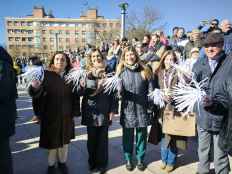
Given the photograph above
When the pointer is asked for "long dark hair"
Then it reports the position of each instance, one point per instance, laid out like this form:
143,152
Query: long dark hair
68,67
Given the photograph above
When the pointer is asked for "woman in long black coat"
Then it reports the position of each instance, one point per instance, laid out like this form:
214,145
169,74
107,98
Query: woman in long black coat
57,106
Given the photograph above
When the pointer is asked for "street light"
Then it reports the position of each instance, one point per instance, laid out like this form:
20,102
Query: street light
56,40
123,7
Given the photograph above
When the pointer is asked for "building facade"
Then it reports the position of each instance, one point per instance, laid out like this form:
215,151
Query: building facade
42,34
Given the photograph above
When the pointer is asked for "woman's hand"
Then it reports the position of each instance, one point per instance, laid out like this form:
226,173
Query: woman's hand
36,84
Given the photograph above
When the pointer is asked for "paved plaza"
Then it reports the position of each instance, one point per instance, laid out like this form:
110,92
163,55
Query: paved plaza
29,159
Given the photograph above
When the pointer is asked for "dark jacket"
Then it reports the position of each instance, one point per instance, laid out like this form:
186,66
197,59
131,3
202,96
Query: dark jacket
8,96
228,42
206,120
222,104
135,102
95,107
56,105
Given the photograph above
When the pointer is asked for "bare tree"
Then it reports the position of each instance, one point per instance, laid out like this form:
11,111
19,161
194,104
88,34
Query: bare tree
139,23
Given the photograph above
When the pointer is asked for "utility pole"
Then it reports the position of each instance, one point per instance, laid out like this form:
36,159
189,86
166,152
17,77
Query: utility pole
123,7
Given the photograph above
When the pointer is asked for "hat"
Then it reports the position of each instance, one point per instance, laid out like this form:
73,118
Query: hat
213,38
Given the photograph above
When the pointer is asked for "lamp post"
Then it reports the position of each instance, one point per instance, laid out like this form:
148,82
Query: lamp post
123,7
56,40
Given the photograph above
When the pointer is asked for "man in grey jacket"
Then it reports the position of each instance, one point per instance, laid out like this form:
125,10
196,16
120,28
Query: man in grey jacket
215,66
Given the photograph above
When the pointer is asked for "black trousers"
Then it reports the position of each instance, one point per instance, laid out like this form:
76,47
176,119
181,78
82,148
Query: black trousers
5,157
97,145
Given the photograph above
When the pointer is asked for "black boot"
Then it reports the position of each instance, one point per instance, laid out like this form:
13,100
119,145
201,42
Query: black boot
129,165
141,166
63,168
51,170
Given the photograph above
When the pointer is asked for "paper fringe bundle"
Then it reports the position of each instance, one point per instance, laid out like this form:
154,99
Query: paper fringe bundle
74,76
32,73
158,97
112,84
186,95
183,68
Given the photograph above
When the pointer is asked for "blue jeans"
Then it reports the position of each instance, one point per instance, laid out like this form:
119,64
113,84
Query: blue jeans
168,152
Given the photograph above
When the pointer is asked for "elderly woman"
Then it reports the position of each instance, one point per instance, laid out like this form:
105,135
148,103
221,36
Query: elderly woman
97,109
136,84
57,106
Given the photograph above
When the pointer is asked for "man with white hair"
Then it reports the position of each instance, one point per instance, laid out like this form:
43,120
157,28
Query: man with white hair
226,28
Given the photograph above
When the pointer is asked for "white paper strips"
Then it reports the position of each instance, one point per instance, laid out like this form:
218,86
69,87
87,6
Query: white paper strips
32,73
112,84
186,95
158,97
74,76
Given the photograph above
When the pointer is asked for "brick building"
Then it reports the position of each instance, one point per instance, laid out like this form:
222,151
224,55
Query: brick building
42,33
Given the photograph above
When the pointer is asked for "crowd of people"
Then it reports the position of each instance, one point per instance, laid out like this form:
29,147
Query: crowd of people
142,66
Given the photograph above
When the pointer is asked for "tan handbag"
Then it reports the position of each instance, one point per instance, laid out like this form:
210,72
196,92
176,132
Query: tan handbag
176,123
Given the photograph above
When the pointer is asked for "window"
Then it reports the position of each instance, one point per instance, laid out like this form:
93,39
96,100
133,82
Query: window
44,39
29,23
45,47
67,32
23,23
30,39
24,39
9,23
51,39
43,31
10,38
17,39
29,31
67,40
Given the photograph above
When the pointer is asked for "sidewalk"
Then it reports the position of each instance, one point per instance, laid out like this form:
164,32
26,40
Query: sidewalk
29,159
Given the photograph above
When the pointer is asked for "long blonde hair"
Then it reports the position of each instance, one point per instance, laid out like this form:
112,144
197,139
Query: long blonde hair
89,63
146,72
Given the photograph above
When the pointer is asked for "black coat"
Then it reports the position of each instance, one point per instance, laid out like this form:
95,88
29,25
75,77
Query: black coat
56,105
95,108
8,96
205,119
222,104
135,110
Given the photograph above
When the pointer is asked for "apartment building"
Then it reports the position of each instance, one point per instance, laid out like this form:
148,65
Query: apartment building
42,33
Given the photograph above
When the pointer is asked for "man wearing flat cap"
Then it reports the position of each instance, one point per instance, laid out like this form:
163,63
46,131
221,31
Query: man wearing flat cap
215,67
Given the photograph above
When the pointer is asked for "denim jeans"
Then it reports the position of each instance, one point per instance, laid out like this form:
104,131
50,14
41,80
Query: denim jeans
168,152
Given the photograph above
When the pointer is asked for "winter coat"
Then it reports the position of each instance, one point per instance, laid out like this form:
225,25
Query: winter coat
56,105
180,141
96,106
201,69
135,111
228,42
8,96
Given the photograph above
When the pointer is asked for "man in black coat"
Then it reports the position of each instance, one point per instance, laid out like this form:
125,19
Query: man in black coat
8,96
215,66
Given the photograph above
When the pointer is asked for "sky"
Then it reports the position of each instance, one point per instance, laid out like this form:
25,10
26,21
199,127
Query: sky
185,13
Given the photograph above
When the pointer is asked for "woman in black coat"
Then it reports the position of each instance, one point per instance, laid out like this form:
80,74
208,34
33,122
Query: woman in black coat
57,106
97,109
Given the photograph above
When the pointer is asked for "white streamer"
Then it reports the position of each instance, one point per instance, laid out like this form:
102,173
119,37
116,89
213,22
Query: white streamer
32,73
74,76
158,97
112,84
